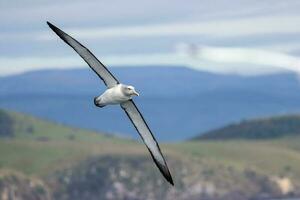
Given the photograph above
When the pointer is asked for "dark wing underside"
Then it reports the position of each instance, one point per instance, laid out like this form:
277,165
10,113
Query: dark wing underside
144,131
108,79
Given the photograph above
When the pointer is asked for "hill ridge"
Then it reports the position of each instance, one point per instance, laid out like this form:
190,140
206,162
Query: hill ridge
257,128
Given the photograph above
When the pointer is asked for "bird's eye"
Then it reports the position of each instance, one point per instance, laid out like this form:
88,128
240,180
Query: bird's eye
129,88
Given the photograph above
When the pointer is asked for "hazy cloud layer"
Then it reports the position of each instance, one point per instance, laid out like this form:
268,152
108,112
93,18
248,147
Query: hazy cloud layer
122,31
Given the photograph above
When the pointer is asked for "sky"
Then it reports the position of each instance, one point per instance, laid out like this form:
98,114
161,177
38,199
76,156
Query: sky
247,37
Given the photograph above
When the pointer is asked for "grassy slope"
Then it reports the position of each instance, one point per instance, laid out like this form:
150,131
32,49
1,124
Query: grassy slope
49,148
40,146
268,157
53,144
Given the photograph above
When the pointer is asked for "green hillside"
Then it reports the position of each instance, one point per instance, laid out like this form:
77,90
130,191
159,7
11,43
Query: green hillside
44,160
35,145
264,128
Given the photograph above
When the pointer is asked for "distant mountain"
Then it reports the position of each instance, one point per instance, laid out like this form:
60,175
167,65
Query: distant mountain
177,102
264,128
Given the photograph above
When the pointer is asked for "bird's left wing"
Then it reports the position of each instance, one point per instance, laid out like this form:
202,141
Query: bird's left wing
103,73
140,124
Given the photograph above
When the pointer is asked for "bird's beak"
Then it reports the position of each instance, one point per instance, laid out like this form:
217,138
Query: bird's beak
135,93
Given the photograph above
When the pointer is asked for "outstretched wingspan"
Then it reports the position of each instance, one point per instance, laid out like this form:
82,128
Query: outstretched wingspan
129,106
108,79
140,124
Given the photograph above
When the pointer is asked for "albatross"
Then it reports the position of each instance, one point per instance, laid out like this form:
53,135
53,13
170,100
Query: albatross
118,93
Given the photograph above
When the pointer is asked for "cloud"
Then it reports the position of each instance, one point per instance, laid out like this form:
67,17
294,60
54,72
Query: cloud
243,61
123,30
220,28
11,66
120,12
287,24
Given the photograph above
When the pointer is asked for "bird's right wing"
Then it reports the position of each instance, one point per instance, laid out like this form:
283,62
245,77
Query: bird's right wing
140,124
108,79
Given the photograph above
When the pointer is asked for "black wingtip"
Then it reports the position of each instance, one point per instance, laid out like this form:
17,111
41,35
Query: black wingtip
168,176
170,180
52,26
58,32
165,171
49,24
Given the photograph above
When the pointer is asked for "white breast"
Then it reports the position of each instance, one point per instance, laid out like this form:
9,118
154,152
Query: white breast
113,96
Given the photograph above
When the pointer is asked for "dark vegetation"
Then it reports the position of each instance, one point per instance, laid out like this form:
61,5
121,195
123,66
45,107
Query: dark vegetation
6,125
267,128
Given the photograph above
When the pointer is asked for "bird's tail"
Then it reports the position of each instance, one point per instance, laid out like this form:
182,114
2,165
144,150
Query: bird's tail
96,102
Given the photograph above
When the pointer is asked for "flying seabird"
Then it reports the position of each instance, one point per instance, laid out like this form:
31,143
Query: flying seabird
118,93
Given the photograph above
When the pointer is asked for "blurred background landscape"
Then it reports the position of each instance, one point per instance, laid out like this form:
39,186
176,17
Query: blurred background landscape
219,85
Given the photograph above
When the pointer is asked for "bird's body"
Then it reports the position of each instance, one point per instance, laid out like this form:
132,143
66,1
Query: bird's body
115,95
118,93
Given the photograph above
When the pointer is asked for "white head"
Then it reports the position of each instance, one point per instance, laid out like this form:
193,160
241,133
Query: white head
129,90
